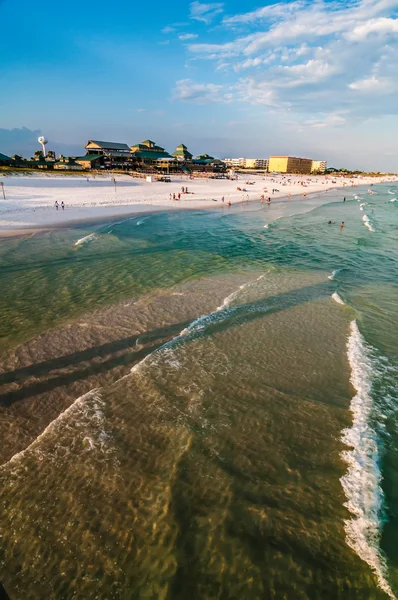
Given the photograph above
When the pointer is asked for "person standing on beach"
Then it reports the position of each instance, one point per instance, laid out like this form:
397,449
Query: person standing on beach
63,205
56,205
344,199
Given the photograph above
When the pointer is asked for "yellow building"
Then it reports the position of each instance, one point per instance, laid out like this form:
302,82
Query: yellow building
289,164
318,166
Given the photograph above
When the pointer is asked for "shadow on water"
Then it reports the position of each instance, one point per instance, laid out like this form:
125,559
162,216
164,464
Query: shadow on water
217,322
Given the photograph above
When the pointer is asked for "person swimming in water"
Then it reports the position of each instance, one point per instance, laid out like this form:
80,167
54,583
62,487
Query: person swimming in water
330,222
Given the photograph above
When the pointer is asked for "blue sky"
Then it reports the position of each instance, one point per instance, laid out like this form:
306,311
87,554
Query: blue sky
317,79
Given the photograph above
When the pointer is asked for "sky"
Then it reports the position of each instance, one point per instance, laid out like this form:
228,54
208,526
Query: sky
317,79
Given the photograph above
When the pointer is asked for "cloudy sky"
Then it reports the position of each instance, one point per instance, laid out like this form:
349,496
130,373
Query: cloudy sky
316,79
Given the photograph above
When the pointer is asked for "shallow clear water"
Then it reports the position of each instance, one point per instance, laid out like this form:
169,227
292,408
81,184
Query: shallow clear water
216,455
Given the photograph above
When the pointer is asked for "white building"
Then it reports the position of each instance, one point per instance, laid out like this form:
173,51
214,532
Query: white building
235,162
247,163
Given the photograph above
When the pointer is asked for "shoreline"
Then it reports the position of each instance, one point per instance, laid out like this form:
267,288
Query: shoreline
92,202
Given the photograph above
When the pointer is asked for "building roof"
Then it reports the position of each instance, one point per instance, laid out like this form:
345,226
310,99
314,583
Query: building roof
204,157
108,145
147,146
150,154
3,157
182,147
89,157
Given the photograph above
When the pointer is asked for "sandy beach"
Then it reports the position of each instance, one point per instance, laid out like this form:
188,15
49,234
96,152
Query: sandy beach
30,199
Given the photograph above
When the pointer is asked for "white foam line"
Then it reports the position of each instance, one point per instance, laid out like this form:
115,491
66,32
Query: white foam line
367,223
337,298
94,393
85,239
197,324
334,273
361,483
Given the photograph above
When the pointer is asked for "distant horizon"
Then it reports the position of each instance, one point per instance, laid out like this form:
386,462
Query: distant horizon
32,146
301,77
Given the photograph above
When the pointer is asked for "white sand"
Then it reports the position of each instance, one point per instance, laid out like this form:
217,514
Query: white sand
30,199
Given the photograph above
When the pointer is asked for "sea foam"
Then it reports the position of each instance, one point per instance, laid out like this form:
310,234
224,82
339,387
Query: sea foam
367,223
334,273
361,483
87,238
337,298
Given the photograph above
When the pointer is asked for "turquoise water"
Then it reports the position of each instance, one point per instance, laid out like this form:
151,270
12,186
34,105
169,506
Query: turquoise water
241,438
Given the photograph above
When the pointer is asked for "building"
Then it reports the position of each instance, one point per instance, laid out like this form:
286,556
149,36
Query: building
206,163
90,161
67,163
114,154
256,163
318,166
289,164
235,163
5,160
149,155
181,153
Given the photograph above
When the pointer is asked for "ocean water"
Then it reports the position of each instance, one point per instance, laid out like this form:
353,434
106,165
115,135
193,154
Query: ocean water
203,405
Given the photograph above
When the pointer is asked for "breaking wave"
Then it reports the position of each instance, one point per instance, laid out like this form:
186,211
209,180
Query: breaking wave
361,483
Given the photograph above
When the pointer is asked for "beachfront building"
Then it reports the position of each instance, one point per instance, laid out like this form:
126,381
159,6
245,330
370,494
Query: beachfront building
235,163
256,163
181,154
149,156
90,161
5,161
318,166
207,163
289,164
114,155
67,163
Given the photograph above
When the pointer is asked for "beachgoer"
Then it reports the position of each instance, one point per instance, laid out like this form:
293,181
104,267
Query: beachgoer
229,202
342,224
330,222
62,205
222,199
174,196
56,204
179,195
344,199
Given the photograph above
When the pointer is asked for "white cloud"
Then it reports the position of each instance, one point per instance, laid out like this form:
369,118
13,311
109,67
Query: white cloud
168,29
205,12
311,58
373,85
187,36
187,90
380,26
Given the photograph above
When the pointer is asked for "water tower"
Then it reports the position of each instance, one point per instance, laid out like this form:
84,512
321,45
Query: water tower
43,141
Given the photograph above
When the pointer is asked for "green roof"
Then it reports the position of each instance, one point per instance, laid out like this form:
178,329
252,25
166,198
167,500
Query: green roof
150,154
108,145
3,157
89,157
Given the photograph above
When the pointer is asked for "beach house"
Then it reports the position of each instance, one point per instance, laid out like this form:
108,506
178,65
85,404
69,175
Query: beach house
114,154
148,156
181,153
207,163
